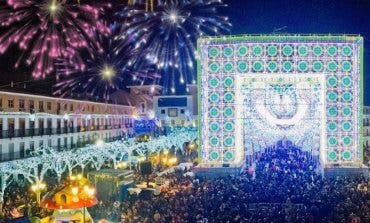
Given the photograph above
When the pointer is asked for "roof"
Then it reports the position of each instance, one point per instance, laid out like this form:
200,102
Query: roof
287,37
58,99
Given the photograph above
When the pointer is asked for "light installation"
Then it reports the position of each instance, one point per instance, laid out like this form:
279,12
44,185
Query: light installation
47,159
257,90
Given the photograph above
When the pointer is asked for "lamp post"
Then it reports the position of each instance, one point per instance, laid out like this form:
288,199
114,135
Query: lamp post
86,193
37,188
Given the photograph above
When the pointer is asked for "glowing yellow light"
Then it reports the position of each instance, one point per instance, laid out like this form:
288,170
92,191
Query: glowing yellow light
74,190
42,186
53,7
90,191
38,186
99,143
172,160
108,72
122,165
34,188
165,152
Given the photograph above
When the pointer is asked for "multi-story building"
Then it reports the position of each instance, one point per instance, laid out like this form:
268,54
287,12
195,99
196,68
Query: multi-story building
30,121
140,97
177,110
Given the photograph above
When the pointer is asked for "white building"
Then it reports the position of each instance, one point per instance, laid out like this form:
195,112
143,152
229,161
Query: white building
177,110
30,121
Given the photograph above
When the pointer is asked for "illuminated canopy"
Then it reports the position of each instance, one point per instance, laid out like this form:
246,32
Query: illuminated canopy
257,90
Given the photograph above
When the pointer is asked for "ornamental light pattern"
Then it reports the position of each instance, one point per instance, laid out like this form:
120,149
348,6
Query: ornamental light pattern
257,90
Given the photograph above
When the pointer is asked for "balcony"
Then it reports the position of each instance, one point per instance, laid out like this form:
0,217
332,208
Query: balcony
48,131
19,133
56,131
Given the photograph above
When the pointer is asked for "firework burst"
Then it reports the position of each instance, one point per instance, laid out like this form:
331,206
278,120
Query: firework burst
46,30
170,33
106,71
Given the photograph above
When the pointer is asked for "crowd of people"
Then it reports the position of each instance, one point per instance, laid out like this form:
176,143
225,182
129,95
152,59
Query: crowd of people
284,187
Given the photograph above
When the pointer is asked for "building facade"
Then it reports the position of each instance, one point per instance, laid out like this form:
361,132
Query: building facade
177,110
30,121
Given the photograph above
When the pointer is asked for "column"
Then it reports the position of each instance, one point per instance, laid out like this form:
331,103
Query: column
74,124
62,126
54,125
27,122
27,126
16,127
36,126
45,127
5,127
45,123
96,123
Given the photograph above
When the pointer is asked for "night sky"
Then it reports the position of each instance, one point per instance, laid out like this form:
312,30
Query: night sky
262,17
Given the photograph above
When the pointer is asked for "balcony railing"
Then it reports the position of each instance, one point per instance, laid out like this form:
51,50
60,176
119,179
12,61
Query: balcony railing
56,131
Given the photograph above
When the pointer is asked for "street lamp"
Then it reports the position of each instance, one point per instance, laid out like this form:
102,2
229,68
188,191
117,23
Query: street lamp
99,143
37,188
172,161
87,192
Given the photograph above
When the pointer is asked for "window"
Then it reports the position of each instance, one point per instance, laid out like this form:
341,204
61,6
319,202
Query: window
21,150
142,107
172,122
10,103
32,146
58,106
41,143
21,104
1,102
71,107
173,102
92,108
65,106
31,104
48,105
172,112
163,111
182,111
11,151
41,106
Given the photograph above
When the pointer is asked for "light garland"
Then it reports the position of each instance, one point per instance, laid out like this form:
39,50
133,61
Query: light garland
46,159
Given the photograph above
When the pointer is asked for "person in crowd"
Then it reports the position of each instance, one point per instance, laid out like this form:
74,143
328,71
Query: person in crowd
283,186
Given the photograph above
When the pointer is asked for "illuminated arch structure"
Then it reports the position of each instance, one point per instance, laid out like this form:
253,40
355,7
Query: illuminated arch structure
256,90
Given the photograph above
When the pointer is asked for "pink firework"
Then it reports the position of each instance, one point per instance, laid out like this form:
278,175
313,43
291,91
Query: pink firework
46,30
